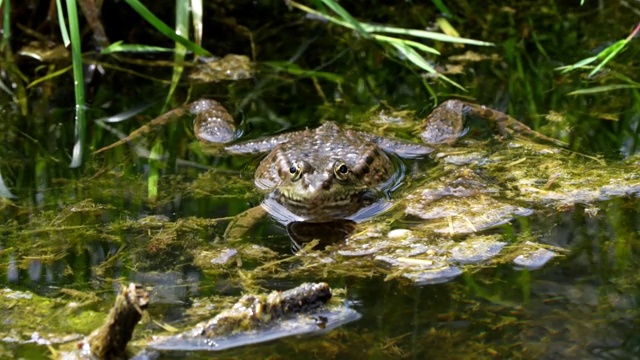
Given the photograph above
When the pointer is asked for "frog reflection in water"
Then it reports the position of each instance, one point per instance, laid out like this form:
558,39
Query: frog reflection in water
329,173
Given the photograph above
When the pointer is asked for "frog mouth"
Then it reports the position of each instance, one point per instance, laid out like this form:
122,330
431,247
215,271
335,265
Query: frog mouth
325,207
326,200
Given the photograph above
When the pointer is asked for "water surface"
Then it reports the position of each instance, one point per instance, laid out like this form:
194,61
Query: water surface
71,236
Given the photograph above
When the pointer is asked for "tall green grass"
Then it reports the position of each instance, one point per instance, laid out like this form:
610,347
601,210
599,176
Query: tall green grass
78,80
71,36
404,43
604,57
5,6
405,49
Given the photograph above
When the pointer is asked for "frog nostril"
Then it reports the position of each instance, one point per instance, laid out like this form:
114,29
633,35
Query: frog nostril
369,160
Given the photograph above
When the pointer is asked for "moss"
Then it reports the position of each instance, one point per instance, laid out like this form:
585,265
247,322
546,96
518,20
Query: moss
28,313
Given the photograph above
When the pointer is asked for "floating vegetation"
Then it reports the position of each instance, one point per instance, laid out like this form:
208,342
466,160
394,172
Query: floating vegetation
259,318
495,247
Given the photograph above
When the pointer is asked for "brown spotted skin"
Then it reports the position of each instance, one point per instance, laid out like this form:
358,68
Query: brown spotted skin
212,122
445,123
330,173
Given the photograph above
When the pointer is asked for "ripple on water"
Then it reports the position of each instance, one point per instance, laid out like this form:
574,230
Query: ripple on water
535,257
476,250
423,271
456,215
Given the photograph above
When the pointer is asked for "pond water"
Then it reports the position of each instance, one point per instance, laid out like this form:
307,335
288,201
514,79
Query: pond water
451,271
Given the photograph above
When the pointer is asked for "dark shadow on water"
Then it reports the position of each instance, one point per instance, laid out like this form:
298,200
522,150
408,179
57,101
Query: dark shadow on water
327,233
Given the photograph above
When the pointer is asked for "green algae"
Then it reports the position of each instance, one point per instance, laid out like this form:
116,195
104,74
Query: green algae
93,227
25,313
381,247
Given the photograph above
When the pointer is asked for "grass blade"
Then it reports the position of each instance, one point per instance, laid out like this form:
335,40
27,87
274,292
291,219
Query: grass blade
49,76
6,31
615,49
414,44
164,28
78,79
369,28
182,28
119,47
196,13
296,70
419,61
425,35
155,167
323,15
445,26
604,88
579,64
442,7
607,54
62,24
344,14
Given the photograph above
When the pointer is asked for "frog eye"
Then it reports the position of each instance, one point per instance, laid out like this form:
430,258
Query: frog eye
341,171
296,171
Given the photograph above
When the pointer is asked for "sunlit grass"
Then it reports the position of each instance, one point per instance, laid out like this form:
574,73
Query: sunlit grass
406,48
121,47
182,29
6,30
180,37
78,80
605,88
605,55
71,36
164,28
196,14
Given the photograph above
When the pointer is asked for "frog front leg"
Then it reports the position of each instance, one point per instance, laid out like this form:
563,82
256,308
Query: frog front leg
243,222
446,122
212,123
401,148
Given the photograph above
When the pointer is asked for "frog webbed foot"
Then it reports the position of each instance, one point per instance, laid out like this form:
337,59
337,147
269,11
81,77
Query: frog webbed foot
213,123
243,222
446,123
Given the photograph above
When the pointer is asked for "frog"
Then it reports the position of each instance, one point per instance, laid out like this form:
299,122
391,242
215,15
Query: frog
328,172
231,67
453,200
